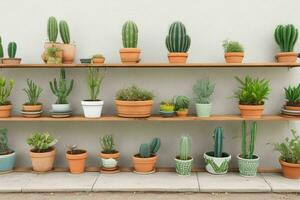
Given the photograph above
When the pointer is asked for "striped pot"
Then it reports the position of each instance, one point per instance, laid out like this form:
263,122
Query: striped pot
216,165
248,167
183,167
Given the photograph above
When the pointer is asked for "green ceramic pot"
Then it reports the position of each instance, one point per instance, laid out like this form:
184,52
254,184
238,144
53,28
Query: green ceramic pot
203,110
183,167
216,165
248,167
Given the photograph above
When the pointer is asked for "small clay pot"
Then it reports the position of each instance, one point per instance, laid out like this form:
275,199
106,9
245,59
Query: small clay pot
251,111
177,58
32,108
11,61
182,113
77,161
5,111
290,170
130,55
98,60
134,108
295,108
234,57
287,57
43,162
144,165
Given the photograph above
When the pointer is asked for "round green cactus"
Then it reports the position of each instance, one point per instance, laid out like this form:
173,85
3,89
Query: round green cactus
12,49
178,40
130,35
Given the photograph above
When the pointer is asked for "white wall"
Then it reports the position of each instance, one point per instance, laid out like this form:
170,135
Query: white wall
96,26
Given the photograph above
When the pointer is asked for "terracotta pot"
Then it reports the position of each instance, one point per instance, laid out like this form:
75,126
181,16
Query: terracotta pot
130,55
5,111
77,162
296,108
11,61
234,57
98,60
290,170
69,52
144,164
32,108
177,57
182,113
251,111
287,57
134,108
42,162
110,155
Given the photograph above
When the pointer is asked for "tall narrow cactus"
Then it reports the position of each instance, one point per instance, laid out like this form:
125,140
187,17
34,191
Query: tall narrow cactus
252,139
248,154
144,151
1,48
52,29
178,40
130,34
5,90
61,89
155,145
244,139
185,148
64,32
218,137
286,37
12,49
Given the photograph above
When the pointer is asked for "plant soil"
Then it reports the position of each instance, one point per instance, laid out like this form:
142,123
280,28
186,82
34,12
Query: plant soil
76,152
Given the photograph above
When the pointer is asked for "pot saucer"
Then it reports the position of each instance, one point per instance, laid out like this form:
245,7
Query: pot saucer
145,173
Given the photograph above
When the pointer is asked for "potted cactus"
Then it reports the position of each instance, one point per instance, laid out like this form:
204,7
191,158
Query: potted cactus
7,156
98,59
53,55
32,108
144,162
178,43
217,161
182,104
92,107
61,89
42,151
252,94
166,108
184,161
134,102
1,50
286,37
290,156
109,155
130,54
5,90
234,51
52,32
292,95
12,50
69,50
76,159
203,91
247,161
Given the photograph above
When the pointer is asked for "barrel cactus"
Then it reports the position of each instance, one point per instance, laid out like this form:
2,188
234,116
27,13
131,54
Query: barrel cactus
147,150
286,37
185,148
177,39
218,137
130,35
52,29
64,32
12,49
1,48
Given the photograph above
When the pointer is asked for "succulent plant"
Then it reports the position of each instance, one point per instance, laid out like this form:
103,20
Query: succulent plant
203,90
232,46
64,32
4,149
1,49
248,153
12,49
177,40
52,29
167,106
107,144
98,56
134,93
292,95
147,150
218,137
52,55
185,148
286,37
33,92
130,34
5,90
182,103
41,142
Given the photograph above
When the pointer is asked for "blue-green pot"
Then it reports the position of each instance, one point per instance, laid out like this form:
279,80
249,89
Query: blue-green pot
203,110
7,162
167,113
248,167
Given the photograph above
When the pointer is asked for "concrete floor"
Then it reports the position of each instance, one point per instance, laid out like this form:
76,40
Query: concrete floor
148,196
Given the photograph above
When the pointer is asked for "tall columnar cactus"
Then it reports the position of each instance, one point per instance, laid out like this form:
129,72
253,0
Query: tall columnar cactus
64,32
147,150
130,35
248,154
286,37
185,148
52,29
3,142
1,48
12,49
154,145
178,40
61,89
5,90
218,137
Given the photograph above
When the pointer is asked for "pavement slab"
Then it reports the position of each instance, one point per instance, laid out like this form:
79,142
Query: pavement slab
278,183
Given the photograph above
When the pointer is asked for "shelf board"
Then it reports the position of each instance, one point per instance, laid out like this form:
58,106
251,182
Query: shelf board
156,65
152,118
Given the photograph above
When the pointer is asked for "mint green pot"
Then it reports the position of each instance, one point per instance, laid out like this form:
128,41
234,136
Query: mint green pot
183,167
203,110
248,167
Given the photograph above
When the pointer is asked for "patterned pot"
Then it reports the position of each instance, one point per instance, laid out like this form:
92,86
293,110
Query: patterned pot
183,167
248,167
216,165
203,110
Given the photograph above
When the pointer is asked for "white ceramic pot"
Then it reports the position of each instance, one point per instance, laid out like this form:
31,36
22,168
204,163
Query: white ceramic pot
92,109
109,163
61,107
216,165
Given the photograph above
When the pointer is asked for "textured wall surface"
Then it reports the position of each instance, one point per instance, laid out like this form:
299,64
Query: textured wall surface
96,27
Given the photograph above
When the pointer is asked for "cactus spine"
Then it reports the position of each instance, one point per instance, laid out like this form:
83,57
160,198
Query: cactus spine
130,35
64,32
286,37
12,49
185,148
218,137
178,40
1,48
248,154
52,29
147,150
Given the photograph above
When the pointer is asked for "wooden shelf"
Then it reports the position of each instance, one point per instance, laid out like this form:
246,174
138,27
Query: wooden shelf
152,118
156,65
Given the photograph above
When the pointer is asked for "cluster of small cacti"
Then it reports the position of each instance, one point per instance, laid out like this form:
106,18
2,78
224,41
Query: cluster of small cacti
107,144
182,103
148,150
248,153
52,30
130,35
61,89
286,37
218,137
178,40
203,90
185,148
